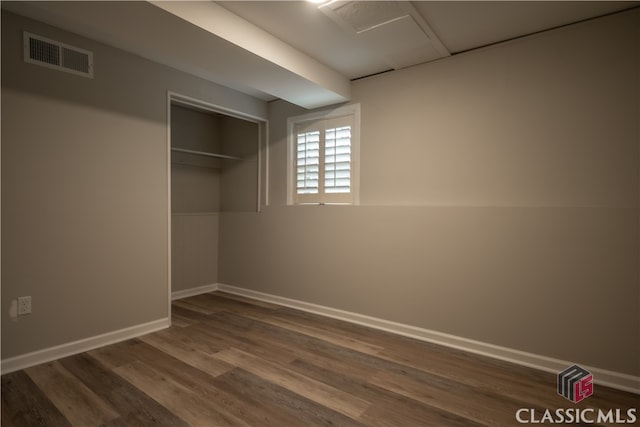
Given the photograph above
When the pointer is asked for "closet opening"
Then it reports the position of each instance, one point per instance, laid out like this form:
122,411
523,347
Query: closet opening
215,168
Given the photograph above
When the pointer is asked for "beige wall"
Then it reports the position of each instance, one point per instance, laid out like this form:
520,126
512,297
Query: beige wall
194,250
499,194
239,178
85,189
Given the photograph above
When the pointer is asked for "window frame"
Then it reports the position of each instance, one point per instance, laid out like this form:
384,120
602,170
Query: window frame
351,111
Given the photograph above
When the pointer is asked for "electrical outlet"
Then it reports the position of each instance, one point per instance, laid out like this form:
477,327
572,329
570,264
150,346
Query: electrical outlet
24,305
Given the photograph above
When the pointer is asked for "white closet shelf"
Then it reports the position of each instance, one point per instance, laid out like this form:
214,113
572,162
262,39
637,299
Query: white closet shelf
203,153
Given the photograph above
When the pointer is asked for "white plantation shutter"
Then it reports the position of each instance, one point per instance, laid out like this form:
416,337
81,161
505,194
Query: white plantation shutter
308,152
324,160
338,168
308,162
337,160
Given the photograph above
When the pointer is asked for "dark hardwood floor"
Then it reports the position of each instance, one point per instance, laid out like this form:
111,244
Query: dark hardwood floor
231,361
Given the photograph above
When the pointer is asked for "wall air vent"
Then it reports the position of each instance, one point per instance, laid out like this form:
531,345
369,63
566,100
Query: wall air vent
52,54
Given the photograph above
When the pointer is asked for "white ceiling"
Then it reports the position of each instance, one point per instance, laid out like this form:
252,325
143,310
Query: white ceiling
460,25
298,51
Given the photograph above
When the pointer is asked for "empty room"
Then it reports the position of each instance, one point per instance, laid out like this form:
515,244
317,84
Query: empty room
314,213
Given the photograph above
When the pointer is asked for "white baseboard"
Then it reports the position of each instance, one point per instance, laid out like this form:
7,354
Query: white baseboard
604,377
193,291
48,354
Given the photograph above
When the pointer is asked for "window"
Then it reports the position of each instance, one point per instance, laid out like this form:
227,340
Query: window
323,157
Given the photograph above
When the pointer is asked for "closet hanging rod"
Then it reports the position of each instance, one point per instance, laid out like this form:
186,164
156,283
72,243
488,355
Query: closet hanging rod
202,153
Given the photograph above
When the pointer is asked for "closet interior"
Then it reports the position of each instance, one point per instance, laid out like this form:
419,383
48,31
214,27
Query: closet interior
214,169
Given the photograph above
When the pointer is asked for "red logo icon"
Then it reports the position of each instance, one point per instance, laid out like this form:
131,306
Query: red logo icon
575,383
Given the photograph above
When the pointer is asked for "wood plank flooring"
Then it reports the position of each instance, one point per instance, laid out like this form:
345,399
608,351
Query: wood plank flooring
231,361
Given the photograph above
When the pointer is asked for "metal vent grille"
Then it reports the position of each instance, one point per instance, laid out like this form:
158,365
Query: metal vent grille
52,54
40,50
74,60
